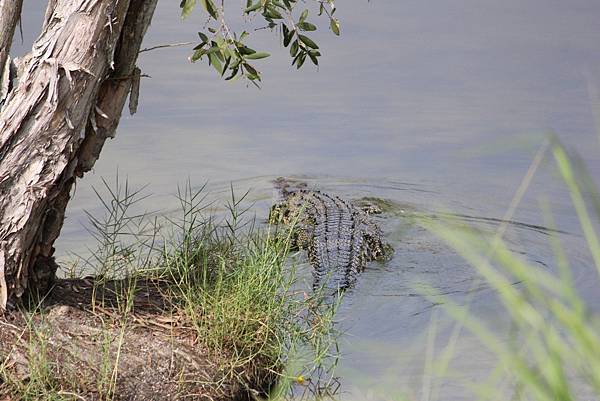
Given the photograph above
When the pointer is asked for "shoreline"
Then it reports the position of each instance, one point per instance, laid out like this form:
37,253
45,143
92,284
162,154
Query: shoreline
83,342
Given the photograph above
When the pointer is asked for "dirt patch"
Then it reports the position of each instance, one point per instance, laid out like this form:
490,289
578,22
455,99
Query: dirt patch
86,341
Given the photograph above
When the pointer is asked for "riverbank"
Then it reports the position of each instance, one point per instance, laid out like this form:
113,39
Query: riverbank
182,308
74,347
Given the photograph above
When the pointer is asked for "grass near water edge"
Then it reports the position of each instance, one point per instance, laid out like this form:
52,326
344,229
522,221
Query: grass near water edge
231,281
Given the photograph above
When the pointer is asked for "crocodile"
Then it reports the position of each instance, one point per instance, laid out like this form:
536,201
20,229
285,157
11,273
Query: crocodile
340,237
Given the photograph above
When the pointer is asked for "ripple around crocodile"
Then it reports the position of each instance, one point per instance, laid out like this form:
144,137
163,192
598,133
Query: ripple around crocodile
340,238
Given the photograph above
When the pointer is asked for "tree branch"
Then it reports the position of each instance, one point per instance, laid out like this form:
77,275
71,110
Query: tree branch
147,49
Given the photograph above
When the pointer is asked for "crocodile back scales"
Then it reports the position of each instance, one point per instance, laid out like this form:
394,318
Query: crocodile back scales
339,237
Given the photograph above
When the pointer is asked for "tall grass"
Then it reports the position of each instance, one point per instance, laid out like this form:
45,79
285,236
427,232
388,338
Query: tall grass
554,354
228,282
234,281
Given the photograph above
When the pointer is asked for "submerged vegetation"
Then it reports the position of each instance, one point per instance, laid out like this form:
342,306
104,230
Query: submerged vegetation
219,297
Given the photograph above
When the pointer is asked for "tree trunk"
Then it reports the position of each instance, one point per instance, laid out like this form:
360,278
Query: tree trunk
69,98
10,12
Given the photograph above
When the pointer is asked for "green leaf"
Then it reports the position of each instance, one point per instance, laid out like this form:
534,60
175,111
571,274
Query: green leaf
287,35
308,41
214,61
227,53
270,12
295,59
254,7
307,26
197,55
253,74
313,54
277,3
203,37
257,56
244,50
301,60
187,7
335,26
219,54
213,50
233,74
236,63
303,16
294,49
226,65
209,7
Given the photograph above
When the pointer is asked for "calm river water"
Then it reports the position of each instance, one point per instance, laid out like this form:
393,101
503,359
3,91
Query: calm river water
430,104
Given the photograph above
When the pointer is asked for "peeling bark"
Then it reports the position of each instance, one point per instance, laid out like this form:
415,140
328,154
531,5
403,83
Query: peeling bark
49,11
52,128
114,91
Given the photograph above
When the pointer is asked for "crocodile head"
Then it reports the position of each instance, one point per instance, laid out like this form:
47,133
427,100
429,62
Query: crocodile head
377,248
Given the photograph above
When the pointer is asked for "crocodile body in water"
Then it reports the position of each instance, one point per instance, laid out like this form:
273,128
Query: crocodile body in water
340,238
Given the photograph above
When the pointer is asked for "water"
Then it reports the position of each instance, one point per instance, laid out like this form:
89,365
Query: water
432,105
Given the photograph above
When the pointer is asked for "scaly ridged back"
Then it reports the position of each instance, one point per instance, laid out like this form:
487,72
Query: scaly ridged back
339,237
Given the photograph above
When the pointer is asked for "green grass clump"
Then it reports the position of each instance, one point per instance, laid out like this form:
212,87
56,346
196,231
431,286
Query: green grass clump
230,278
232,282
229,285
40,384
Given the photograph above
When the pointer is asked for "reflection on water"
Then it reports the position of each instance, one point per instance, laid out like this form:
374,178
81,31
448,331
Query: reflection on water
434,106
